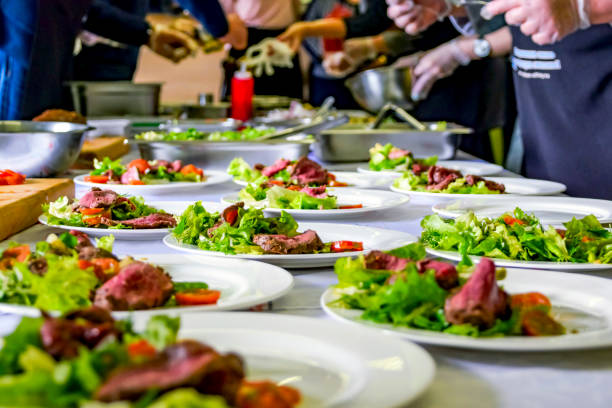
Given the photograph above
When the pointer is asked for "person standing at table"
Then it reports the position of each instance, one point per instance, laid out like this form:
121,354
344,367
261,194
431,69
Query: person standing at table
563,87
265,19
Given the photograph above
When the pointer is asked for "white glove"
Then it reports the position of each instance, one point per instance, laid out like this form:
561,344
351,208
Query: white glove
435,64
338,64
414,16
546,21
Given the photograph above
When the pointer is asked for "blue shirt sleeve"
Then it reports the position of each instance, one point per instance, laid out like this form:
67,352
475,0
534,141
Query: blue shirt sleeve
209,13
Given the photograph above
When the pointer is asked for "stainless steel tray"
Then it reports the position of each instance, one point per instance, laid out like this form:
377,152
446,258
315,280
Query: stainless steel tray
112,98
218,155
203,125
351,143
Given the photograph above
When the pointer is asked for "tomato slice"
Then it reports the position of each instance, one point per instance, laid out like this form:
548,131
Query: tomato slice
190,168
141,348
335,183
108,265
536,322
294,188
10,177
230,216
530,300
85,264
136,183
92,220
197,297
20,253
96,179
348,207
266,394
346,246
509,220
141,164
277,182
586,239
91,211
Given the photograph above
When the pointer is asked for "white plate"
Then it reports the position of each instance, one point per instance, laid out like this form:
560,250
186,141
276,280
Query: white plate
514,186
579,302
354,179
212,177
242,283
464,166
559,266
372,200
550,210
171,207
372,238
330,364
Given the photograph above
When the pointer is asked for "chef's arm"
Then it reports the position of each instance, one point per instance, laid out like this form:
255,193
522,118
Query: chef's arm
112,22
500,40
600,11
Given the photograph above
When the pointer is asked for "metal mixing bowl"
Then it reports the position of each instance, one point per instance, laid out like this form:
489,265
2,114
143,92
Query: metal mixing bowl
40,149
374,88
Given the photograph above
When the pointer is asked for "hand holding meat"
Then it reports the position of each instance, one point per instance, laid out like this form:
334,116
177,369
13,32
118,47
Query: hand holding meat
546,21
171,44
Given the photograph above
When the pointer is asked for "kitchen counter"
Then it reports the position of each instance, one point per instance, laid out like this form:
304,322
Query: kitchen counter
464,378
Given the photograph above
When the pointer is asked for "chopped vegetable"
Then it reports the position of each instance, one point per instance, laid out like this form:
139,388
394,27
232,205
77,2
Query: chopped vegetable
10,177
346,246
197,297
96,179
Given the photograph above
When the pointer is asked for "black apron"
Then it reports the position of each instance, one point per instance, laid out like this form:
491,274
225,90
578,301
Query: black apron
564,97
57,24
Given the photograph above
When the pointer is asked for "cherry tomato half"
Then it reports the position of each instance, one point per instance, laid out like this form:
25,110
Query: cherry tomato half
346,246
197,297
96,179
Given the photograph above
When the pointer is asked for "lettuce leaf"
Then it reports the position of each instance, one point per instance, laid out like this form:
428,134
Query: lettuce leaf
188,398
279,197
241,170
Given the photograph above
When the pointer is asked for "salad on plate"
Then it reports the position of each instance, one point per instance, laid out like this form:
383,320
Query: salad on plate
520,236
106,209
246,134
392,158
87,359
67,272
403,288
143,172
237,230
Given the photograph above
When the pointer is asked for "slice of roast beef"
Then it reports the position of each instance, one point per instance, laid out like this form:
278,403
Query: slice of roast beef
157,220
259,166
438,178
175,166
97,198
305,171
471,180
130,175
82,239
90,252
137,286
156,164
62,337
278,165
396,153
185,364
381,260
418,168
316,192
446,274
305,243
480,301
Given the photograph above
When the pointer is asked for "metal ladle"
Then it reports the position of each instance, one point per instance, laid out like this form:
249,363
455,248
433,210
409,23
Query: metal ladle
392,108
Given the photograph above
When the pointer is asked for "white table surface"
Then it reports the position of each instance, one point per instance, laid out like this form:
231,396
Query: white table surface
464,378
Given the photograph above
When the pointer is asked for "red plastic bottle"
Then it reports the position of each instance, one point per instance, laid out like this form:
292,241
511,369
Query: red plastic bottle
243,85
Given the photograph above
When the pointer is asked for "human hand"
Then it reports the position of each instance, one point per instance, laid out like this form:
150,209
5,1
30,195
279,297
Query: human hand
294,35
171,43
237,35
546,21
433,65
355,52
360,49
414,16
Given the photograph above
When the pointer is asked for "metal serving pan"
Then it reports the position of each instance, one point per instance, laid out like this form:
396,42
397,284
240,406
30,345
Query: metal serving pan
114,98
40,149
203,125
351,143
218,155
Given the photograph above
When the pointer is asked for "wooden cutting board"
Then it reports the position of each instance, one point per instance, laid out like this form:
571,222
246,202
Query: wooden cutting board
99,148
20,206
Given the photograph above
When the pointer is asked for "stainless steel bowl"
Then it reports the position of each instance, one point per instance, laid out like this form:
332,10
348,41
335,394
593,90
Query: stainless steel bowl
218,155
40,149
115,98
374,88
351,143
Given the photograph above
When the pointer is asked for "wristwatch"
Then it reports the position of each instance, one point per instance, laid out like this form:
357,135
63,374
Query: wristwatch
482,47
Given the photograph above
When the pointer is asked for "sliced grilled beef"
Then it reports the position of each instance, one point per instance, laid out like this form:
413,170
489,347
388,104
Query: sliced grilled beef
97,198
446,274
155,165
62,337
89,253
480,301
471,180
278,165
157,220
316,192
138,285
259,167
438,178
130,175
184,364
381,260
305,171
398,153
82,239
38,266
418,168
305,243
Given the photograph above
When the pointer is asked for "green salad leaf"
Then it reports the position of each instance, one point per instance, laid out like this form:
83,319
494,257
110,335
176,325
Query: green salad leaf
279,197
188,398
248,133
106,164
241,170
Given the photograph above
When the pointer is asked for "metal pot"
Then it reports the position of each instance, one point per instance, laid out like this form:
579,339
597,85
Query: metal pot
374,88
115,98
40,149
351,143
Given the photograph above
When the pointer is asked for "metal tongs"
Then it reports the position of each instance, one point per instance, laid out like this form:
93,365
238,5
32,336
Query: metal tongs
322,120
393,108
